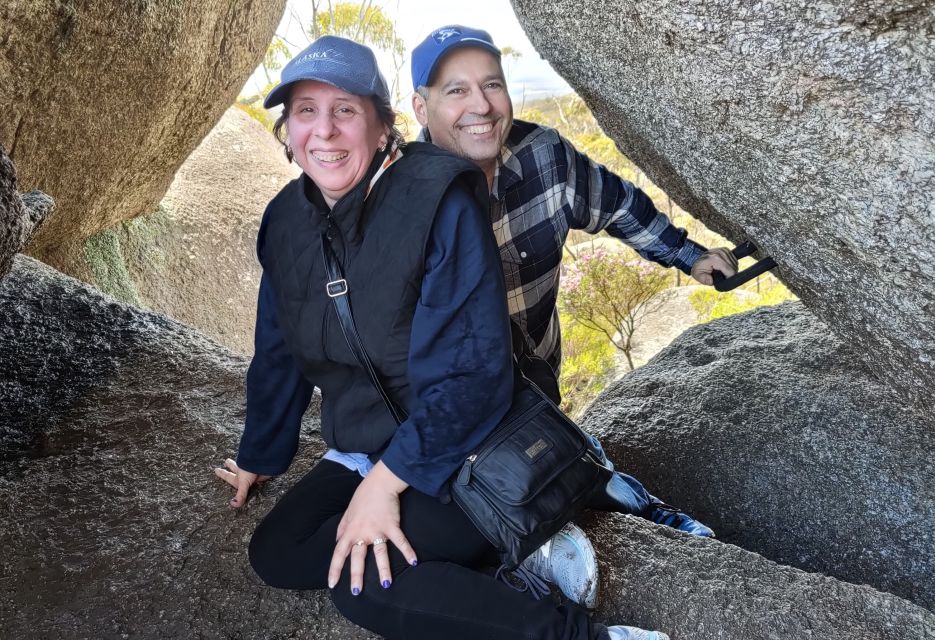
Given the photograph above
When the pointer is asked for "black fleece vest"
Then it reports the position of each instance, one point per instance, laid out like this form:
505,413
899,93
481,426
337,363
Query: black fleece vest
380,241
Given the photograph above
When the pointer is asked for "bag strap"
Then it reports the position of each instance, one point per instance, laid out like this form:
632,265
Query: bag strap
337,291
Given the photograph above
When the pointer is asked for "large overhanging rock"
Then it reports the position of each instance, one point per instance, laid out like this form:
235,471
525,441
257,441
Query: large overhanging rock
110,421
766,427
103,101
809,128
21,215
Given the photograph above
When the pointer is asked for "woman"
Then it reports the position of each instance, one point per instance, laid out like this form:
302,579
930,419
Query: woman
409,227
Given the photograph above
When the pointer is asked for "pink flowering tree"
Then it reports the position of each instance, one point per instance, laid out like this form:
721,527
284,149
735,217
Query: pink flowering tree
611,292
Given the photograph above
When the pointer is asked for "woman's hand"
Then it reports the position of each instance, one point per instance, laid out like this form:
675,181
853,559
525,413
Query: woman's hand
240,480
372,515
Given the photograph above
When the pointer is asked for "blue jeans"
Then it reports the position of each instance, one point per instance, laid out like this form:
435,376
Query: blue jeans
624,494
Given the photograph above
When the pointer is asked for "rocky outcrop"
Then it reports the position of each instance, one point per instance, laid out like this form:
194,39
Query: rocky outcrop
21,215
110,421
807,128
703,589
766,427
195,258
102,102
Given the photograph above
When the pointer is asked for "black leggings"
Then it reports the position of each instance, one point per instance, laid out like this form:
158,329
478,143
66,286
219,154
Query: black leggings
442,597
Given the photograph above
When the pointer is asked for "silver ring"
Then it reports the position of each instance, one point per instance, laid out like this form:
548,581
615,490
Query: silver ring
377,541
360,543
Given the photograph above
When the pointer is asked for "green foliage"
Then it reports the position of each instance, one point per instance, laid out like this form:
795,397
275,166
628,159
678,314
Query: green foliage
587,364
711,304
361,22
102,251
610,292
277,53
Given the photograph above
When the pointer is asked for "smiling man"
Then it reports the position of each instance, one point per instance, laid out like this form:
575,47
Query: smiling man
540,188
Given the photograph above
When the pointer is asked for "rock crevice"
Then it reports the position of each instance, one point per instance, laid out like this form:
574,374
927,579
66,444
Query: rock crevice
807,128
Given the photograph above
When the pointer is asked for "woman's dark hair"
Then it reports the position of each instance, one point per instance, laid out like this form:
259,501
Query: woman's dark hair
385,114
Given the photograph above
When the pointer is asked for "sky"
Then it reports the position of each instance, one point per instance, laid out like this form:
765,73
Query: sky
529,77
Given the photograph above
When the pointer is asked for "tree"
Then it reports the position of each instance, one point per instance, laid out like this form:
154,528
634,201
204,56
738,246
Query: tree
364,23
587,363
611,292
276,55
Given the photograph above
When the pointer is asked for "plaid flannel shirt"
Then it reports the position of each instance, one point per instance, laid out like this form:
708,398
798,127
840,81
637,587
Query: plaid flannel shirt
543,187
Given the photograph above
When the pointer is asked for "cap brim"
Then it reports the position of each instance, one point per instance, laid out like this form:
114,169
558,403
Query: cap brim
477,43
278,95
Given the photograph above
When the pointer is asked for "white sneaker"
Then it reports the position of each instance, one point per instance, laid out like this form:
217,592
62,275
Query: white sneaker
567,559
621,632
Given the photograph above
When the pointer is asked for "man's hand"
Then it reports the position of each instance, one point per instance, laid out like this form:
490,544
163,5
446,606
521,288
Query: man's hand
720,259
372,515
239,479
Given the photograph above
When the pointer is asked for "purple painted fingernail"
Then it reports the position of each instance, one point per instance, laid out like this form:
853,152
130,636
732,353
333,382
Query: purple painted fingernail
386,584
355,591
414,562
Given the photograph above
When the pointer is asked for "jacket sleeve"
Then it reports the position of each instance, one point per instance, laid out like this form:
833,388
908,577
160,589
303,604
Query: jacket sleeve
600,200
277,394
460,367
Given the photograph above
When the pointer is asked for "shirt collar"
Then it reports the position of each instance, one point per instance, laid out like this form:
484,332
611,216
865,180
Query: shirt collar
509,170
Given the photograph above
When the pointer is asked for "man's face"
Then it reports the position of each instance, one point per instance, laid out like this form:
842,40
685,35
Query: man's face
468,109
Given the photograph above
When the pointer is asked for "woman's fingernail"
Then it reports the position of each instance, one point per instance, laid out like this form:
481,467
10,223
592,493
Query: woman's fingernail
331,584
355,591
386,584
414,562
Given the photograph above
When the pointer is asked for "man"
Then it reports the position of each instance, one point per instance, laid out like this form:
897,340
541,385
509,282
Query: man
540,188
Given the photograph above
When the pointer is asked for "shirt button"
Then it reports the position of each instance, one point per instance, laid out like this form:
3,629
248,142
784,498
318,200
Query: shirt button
522,254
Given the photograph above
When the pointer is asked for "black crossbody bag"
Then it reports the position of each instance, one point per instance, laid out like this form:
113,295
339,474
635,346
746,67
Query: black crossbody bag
528,478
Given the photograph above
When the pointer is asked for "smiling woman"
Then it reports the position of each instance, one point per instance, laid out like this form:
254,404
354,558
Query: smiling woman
333,135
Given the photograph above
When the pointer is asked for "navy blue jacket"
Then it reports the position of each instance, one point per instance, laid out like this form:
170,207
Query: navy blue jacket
449,415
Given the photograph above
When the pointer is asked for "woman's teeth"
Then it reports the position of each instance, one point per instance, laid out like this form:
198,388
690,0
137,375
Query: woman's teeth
329,157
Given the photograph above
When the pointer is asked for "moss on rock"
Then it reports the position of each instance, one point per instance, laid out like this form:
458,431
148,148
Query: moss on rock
108,269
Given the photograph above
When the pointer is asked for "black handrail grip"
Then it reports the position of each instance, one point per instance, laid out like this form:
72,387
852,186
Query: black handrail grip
742,251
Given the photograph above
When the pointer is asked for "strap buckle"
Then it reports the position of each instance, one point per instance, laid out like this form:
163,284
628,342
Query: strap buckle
336,288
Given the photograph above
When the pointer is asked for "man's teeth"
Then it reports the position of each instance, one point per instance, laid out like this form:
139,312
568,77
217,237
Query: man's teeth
329,157
479,128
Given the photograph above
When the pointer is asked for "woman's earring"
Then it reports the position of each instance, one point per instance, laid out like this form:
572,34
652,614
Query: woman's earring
289,153
383,146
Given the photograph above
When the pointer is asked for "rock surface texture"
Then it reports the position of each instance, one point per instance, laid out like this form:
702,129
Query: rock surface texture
808,128
696,589
102,102
195,259
767,428
112,419
21,214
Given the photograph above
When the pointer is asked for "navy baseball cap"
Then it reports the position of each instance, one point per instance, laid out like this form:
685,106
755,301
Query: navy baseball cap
347,65
425,57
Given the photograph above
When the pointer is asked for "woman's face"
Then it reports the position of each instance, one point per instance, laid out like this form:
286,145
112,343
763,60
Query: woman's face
334,136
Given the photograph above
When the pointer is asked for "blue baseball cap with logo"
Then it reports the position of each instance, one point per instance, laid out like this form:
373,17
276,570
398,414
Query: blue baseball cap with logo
347,65
426,56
